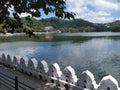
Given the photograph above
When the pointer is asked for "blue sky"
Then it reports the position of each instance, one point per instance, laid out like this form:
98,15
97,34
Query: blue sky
96,11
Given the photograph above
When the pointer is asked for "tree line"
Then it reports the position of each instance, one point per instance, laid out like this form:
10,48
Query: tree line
75,25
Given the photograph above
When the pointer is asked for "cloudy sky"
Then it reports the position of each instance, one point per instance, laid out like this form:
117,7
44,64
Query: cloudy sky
97,11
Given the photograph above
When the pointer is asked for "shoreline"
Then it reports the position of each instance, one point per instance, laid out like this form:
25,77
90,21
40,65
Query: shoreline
43,38
55,37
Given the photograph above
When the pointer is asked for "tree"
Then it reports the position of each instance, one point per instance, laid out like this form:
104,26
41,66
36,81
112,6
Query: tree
40,28
87,29
115,28
32,7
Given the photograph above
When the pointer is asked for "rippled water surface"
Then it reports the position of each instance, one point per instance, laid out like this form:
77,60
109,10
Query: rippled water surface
99,55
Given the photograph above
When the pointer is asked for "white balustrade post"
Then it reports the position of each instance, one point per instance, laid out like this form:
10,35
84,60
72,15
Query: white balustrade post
42,70
23,64
54,73
108,83
9,60
86,80
68,77
16,62
4,59
0,59
32,65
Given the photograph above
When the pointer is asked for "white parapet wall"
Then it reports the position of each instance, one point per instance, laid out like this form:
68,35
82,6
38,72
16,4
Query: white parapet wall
66,78
42,69
16,62
32,67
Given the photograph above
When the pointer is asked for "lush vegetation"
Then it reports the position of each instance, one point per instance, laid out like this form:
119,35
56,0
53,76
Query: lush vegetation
50,38
44,38
115,26
14,8
55,24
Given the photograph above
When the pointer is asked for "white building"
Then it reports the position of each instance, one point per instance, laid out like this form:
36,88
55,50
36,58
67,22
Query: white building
48,28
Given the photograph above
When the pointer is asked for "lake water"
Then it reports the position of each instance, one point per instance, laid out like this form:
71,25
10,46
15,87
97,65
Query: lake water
99,55
84,34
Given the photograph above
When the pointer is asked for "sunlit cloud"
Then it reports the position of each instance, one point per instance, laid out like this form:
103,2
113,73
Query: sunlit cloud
97,11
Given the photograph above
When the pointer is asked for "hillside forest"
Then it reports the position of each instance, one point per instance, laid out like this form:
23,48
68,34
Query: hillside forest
60,25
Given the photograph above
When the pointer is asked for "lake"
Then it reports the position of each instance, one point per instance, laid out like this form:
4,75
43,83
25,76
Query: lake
82,34
100,55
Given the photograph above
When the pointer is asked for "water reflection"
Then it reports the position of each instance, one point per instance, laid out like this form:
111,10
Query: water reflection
99,55
90,34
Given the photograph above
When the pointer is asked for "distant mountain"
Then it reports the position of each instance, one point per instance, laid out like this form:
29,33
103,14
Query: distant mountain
76,24
59,23
116,22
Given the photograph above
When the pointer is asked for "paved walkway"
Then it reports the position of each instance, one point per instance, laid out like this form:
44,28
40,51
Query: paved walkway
29,80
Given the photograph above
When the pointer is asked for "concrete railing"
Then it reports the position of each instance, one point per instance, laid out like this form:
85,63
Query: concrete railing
66,78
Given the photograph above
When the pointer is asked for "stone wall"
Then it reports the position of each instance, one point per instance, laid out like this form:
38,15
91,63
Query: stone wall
52,73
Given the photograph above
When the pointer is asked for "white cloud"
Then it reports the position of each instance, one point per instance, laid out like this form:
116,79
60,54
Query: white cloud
98,11
24,14
106,5
117,18
114,1
11,10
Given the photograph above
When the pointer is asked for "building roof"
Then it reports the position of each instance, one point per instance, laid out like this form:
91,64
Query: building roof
48,27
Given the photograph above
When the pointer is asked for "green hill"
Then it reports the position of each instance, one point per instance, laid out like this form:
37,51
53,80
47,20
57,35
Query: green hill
114,26
76,25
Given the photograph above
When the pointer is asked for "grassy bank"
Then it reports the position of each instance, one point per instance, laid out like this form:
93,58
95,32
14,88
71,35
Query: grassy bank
51,38
43,38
